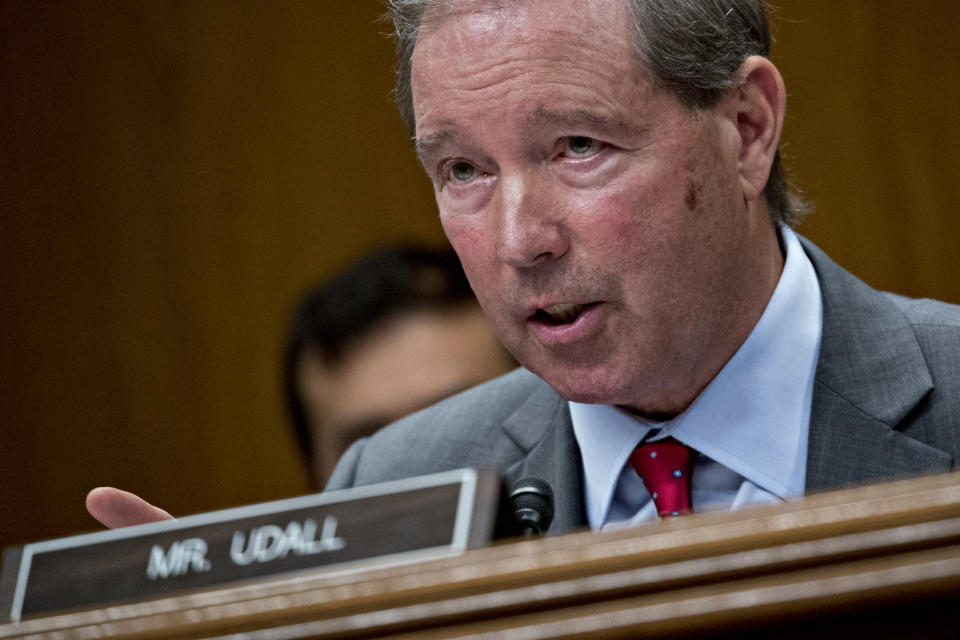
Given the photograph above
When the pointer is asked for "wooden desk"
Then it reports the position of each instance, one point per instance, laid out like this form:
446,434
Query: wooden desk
879,562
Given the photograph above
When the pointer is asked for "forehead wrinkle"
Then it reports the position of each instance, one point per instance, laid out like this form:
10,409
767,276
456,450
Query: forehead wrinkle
522,45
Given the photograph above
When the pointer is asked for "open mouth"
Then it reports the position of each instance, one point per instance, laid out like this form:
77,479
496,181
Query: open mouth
560,314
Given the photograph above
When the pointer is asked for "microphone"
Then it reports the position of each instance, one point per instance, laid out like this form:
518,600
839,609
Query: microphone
531,501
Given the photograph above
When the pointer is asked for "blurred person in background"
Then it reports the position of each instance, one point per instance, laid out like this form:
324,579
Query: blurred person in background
395,331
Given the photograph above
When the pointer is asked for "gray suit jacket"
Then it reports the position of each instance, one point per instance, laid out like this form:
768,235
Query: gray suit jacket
886,402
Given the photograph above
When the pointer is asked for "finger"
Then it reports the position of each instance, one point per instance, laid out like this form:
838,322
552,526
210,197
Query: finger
116,508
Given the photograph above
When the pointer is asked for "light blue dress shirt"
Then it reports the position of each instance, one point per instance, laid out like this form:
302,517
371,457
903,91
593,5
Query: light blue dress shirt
750,424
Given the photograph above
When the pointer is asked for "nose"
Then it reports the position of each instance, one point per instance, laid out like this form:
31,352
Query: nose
531,227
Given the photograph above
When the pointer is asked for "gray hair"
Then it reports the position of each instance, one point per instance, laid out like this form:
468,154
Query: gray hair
692,49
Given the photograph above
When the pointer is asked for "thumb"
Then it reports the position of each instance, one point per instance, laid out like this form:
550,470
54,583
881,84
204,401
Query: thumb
116,508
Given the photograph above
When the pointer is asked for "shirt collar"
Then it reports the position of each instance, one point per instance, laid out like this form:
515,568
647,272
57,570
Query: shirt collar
754,415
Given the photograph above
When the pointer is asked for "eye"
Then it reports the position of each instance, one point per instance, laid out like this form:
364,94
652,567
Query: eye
462,171
580,147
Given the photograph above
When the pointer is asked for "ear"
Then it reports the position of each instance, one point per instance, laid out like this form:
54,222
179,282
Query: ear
761,102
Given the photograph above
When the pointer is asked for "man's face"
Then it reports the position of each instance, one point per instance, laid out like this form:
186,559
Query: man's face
601,223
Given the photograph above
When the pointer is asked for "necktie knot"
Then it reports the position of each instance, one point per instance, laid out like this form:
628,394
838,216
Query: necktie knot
666,468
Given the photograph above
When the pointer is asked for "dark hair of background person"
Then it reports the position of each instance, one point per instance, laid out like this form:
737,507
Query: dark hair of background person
692,48
344,310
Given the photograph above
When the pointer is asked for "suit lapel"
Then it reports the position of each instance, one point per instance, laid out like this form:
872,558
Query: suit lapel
870,375
542,428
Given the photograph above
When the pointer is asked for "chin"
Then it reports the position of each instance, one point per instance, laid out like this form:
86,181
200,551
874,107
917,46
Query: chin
588,387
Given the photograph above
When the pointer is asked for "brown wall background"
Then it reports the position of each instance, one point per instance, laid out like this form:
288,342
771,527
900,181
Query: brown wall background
174,174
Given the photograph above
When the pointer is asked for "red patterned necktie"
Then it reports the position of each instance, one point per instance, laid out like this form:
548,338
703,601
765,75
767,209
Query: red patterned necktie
666,468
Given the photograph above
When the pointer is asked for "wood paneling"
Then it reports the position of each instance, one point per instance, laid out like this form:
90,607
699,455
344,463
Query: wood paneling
872,135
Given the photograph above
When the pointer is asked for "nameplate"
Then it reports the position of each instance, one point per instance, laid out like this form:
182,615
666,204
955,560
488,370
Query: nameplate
401,521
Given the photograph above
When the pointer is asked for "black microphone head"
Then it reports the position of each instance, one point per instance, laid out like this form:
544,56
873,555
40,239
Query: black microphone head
531,501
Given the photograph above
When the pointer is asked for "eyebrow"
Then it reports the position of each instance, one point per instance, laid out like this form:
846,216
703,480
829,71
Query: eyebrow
583,118
426,143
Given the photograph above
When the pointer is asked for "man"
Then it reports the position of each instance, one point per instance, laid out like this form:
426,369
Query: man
397,330
608,174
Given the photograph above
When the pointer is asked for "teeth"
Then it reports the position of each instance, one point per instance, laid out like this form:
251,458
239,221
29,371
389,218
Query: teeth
564,313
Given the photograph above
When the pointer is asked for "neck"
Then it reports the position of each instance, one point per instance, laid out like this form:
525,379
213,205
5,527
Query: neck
746,303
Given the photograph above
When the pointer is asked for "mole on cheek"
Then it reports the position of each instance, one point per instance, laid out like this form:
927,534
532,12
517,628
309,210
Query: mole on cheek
692,195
